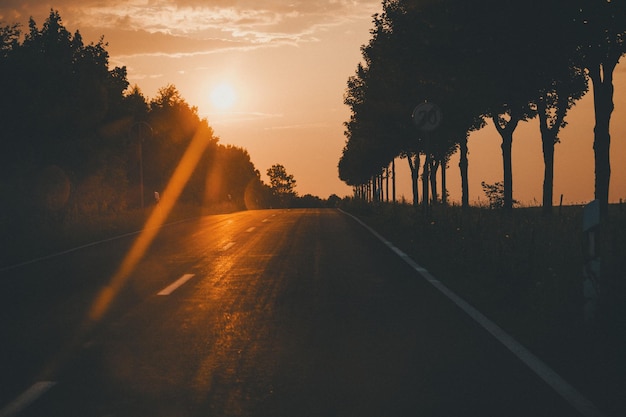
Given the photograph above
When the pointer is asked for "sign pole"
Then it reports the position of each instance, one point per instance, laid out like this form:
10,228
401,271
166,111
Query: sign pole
427,118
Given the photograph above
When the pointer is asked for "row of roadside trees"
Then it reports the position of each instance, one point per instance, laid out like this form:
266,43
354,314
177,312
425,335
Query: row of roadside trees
77,140
499,60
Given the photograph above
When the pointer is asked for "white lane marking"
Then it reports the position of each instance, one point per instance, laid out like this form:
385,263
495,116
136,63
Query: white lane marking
251,229
175,285
265,220
27,398
227,246
575,398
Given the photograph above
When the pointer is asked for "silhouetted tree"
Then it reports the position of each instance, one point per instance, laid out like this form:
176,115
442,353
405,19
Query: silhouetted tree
599,32
410,60
233,178
58,107
282,184
9,40
68,133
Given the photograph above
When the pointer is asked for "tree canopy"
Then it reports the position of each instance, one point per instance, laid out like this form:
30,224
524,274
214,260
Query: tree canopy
502,61
76,138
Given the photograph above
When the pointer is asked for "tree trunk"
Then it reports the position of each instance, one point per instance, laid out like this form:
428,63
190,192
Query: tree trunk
393,182
425,177
548,140
548,171
506,133
386,181
414,164
507,164
463,166
444,191
549,127
602,79
433,168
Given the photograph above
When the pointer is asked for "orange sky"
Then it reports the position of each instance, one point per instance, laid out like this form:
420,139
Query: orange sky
288,63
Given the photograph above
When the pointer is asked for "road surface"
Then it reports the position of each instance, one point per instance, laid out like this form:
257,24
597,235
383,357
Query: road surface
257,313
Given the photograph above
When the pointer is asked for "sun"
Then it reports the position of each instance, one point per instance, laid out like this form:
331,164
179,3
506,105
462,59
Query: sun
223,96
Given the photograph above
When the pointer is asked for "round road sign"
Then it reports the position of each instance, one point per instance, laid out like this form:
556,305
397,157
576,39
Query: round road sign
427,116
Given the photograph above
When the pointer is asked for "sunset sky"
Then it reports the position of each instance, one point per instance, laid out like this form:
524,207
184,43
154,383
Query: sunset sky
269,75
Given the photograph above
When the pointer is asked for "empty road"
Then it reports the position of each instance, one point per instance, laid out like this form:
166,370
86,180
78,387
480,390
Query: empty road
256,313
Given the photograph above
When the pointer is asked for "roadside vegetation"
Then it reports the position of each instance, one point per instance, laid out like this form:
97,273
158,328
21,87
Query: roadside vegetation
524,271
433,72
86,156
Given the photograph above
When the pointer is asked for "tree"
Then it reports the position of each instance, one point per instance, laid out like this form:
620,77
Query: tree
599,30
60,110
552,104
231,176
411,58
495,49
282,184
9,39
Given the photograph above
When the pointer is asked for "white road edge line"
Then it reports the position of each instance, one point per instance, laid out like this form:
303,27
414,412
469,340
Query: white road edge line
87,245
540,368
27,398
175,285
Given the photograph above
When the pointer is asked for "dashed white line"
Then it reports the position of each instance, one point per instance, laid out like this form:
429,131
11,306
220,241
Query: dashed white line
27,398
250,229
175,285
227,246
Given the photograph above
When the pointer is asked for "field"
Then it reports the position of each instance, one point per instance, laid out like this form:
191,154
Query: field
525,272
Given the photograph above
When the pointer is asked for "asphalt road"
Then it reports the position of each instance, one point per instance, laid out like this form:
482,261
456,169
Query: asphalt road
257,313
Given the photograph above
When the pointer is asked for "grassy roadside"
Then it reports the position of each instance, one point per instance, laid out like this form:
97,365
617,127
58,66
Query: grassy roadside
524,271
23,238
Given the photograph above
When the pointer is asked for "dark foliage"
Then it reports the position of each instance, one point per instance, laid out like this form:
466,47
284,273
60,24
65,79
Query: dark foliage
76,141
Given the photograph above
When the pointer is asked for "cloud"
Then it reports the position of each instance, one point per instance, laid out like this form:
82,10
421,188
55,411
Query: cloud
194,26
158,43
318,125
234,118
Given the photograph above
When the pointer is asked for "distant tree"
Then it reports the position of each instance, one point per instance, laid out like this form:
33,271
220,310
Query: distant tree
230,176
308,201
333,200
282,184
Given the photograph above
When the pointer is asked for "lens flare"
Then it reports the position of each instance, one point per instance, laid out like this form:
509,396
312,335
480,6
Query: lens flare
181,175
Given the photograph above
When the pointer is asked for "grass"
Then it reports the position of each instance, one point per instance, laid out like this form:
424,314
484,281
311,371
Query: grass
26,236
524,271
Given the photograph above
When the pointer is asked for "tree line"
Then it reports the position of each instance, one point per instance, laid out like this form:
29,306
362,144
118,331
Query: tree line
499,60
78,139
